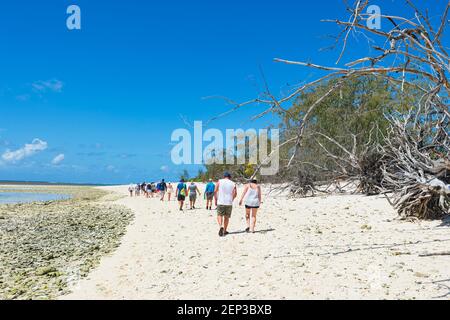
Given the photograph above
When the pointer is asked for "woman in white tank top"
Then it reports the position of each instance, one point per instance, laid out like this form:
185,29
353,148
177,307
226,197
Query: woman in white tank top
252,195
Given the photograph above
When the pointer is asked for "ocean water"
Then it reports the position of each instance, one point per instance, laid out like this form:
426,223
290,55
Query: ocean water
24,197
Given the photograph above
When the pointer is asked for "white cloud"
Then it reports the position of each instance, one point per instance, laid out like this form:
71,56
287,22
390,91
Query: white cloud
164,168
23,97
26,151
111,168
48,85
58,159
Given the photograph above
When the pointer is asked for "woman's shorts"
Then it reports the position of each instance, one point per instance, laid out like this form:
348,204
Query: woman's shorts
181,197
209,195
250,207
193,197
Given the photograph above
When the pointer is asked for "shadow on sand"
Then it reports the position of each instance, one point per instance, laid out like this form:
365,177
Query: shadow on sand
441,285
445,222
258,231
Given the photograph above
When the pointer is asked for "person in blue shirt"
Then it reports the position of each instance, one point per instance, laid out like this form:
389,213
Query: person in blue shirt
162,187
181,193
209,194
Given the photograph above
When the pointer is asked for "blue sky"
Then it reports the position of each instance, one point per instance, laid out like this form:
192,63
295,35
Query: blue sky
98,105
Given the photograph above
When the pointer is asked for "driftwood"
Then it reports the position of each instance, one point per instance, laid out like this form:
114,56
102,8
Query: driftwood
445,253
412,164
304,185
416,173
360,164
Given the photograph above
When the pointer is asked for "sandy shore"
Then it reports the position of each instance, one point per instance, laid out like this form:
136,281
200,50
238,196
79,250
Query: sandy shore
337,247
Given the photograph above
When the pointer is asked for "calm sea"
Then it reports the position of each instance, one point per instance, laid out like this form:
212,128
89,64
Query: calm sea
24,197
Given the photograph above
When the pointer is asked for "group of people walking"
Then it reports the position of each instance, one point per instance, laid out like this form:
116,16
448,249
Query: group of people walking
223,193
152,189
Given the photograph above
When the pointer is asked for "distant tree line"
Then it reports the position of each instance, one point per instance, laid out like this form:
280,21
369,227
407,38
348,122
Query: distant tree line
357,110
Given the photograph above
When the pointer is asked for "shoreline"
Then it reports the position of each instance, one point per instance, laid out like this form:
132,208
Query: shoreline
104,245
49,245
74,191
46,183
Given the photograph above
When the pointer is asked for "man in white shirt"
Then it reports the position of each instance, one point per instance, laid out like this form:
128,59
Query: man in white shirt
224,195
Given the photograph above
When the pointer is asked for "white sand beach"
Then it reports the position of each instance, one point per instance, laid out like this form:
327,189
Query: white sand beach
336,247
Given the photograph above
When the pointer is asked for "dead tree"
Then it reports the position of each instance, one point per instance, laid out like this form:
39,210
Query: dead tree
415,170
412,165
360,165
304,185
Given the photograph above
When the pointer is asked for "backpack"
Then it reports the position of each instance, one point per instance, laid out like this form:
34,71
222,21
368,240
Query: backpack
182,188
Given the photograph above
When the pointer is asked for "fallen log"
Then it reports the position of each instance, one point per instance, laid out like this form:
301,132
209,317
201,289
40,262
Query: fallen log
445,253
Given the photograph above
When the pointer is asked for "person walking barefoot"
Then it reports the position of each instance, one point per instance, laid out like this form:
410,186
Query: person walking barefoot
137,190
225,194
252,204
148,190
169,191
